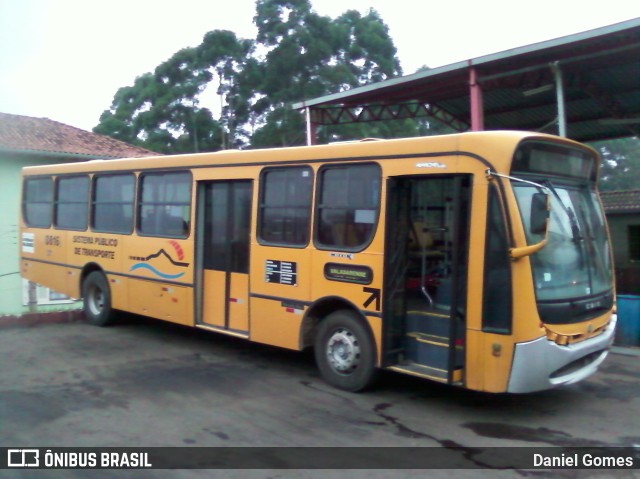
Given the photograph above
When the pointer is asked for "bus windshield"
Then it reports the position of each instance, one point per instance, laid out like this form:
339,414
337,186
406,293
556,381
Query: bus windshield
576,260
575,265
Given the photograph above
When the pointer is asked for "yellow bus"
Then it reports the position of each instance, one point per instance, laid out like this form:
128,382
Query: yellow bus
480,260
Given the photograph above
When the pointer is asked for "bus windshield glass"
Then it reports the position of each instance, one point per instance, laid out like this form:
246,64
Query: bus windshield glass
576,262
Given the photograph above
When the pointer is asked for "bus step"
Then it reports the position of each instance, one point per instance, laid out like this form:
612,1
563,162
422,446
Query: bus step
427,372
431,350
432,323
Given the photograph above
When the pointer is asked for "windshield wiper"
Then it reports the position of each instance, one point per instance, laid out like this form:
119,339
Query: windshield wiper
576,234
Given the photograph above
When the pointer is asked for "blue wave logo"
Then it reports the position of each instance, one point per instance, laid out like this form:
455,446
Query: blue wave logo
155,271
143,262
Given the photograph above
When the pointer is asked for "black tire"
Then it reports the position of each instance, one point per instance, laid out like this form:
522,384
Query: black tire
97,299
345,352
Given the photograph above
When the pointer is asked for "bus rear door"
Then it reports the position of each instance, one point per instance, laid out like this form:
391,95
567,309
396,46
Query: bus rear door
224,220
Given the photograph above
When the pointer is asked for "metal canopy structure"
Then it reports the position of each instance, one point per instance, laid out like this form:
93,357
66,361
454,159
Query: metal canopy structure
584,86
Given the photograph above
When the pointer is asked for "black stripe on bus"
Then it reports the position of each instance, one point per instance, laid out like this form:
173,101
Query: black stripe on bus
303,303
112,273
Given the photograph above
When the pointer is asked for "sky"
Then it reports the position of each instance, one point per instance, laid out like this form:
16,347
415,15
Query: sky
65,59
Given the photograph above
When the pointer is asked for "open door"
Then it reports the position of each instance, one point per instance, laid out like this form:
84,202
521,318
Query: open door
426,275
224,221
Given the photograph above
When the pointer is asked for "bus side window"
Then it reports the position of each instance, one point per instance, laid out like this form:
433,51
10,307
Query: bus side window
165,204
496,310
72,203
37,202
113,196
347,207
285,206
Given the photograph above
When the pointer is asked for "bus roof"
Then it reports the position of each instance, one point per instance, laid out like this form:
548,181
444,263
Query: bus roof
364,149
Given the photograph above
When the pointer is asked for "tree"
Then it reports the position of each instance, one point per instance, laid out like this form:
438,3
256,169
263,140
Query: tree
162,111
620,166
311,55
297,54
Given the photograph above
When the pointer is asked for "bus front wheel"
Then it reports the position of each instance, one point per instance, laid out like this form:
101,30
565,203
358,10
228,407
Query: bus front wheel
97,299
345,352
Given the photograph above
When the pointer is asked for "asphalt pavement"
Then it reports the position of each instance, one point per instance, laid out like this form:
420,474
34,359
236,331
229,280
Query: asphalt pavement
144,383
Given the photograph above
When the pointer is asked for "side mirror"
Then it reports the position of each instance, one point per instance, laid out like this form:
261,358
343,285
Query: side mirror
538,224
539,215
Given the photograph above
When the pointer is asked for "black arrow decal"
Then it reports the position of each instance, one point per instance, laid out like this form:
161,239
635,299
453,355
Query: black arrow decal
375,296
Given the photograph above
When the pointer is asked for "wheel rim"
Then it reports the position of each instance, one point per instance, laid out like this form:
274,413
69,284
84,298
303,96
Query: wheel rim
343,351
95,300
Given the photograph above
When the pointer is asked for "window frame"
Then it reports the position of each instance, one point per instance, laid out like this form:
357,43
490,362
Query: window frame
44,296
497,234
633,242
262,206
50,202
93,195
57,202
318,207
140,204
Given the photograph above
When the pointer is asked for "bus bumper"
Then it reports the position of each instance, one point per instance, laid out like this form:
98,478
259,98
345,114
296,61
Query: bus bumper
542,364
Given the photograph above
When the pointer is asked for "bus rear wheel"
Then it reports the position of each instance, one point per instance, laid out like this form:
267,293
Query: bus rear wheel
345,352
97,299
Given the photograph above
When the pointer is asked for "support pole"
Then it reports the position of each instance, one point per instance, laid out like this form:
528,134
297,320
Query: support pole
477,106
562,115
312,138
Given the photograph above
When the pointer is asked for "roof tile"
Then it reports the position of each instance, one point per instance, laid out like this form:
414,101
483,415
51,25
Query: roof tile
25,133
622,201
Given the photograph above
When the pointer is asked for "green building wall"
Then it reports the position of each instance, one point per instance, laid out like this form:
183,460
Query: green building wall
11,284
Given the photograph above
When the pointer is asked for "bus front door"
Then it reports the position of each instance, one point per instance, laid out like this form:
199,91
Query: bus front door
224,219
425,275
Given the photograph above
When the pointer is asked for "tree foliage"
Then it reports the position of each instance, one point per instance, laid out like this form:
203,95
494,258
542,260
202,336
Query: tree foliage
296,54
620,166
162,110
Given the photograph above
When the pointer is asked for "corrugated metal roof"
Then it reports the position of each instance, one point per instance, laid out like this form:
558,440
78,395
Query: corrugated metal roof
601,79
